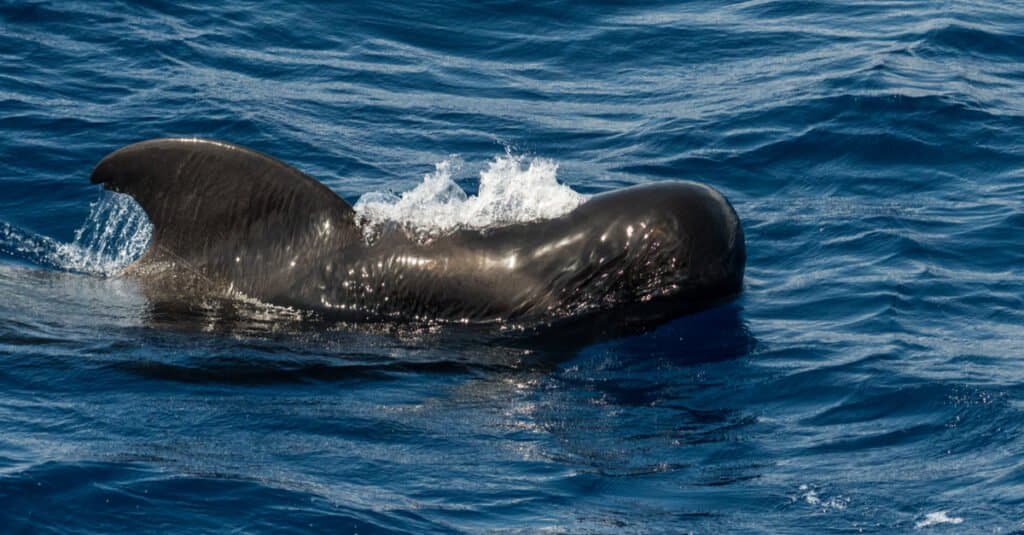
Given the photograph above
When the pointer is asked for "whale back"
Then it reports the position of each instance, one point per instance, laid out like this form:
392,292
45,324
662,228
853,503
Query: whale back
228,218
226,213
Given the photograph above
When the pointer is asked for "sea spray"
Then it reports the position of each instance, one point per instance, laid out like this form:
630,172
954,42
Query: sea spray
513,189
115,234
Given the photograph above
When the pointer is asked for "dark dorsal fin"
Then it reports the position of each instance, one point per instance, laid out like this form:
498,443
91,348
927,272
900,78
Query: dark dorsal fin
227,211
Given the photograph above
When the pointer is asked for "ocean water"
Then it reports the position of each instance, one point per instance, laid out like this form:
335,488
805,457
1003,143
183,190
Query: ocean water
869,379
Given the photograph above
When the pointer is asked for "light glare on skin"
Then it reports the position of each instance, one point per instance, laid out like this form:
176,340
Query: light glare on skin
508,262
328,304
199,141
410,260
551,247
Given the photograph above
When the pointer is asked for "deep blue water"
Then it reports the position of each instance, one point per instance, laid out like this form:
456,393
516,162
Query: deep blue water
869,379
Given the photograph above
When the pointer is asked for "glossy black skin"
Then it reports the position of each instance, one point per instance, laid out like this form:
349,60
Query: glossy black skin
228,218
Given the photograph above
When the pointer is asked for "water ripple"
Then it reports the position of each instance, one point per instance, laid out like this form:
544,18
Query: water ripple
867,380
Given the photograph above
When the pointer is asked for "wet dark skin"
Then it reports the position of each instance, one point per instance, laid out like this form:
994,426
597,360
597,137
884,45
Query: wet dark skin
241,221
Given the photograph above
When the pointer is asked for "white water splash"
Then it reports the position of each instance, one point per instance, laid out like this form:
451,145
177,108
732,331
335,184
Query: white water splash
115,234
936,518
513,189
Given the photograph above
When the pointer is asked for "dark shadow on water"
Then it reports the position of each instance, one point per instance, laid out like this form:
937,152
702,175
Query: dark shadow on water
219,340
227,341
694,335
715,335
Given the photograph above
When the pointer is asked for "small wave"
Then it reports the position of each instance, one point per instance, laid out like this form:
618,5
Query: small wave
513,189
962,37
115,234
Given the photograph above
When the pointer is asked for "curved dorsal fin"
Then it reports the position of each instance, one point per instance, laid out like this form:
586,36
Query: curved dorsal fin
225,210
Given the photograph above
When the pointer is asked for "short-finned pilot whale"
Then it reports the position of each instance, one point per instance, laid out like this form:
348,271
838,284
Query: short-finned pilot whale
242,221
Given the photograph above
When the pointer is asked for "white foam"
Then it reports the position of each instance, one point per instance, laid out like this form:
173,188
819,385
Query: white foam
936,518
811,497
115,234
513,189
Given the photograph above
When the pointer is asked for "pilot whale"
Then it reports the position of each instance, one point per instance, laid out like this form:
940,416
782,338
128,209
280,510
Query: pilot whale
230,219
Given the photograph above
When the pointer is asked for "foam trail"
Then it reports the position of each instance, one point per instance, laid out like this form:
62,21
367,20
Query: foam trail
513,189
114,235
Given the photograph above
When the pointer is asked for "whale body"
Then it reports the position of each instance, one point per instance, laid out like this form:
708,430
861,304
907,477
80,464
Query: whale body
227,218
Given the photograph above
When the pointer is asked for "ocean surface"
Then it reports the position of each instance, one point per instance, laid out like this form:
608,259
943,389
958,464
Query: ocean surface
869,379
